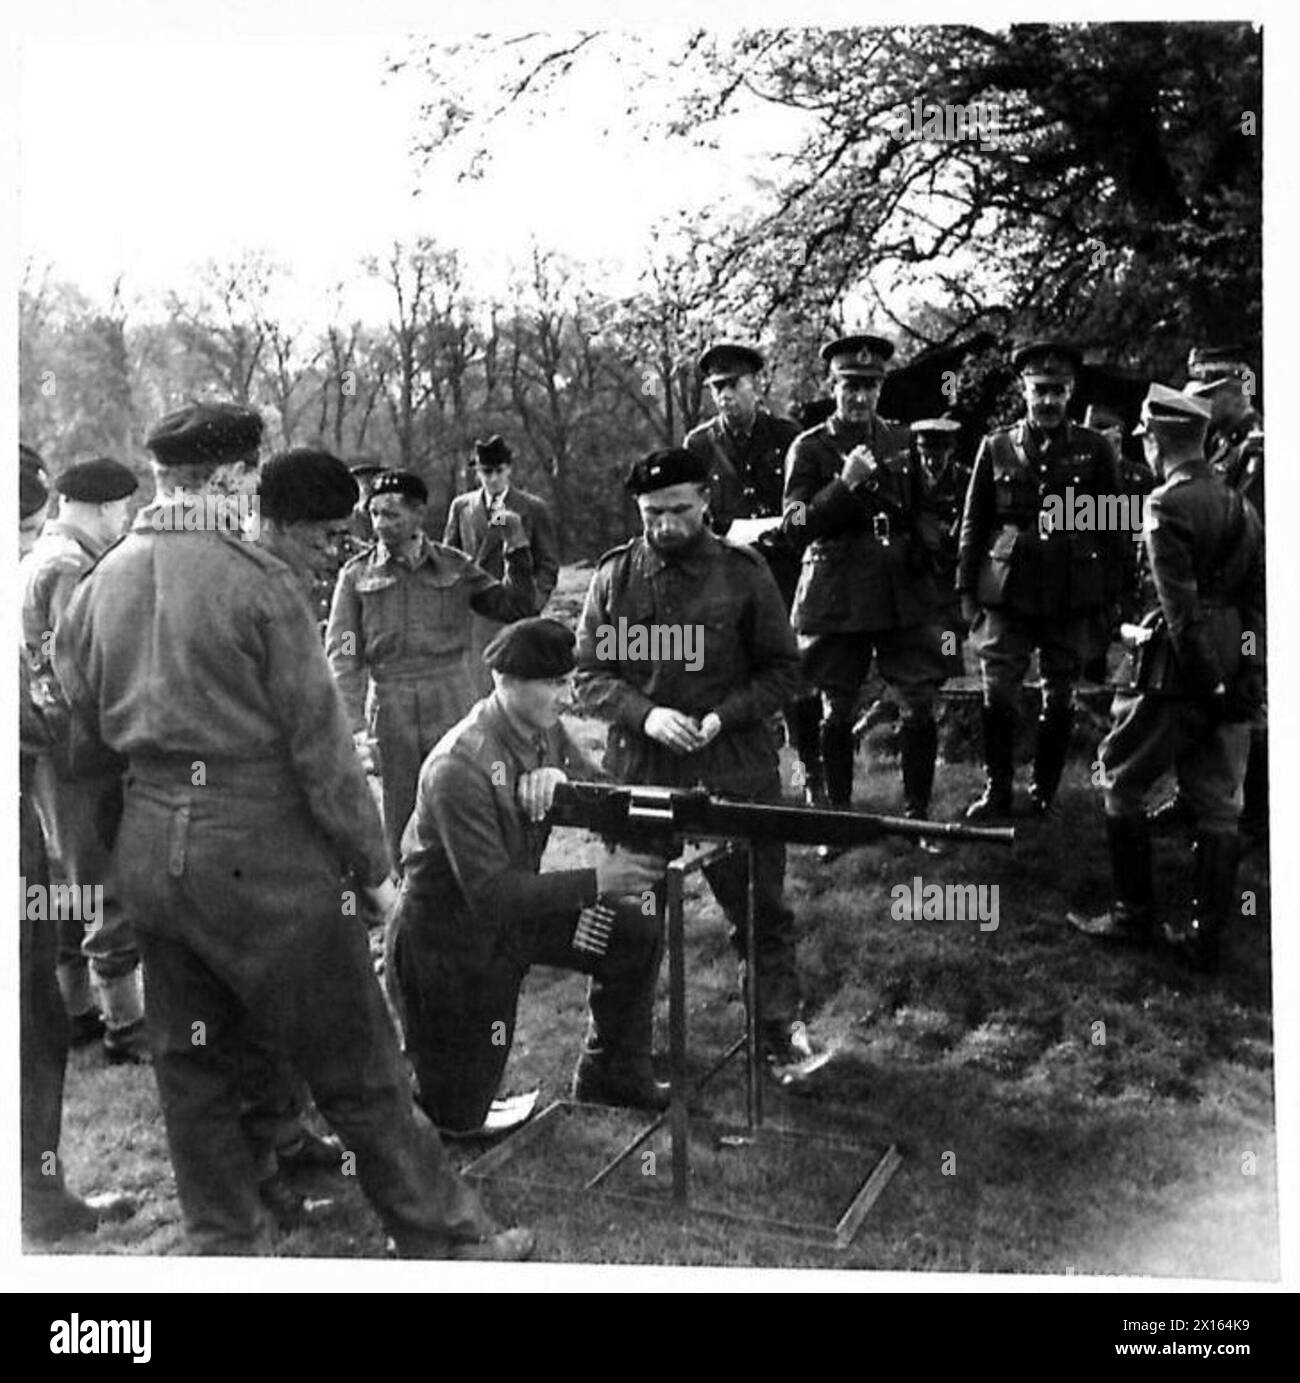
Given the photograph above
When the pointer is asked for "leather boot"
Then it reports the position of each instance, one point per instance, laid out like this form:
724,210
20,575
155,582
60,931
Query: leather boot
1128,839
1054,728
837,765
999,725
918,743
804,721
1217,853
615,1067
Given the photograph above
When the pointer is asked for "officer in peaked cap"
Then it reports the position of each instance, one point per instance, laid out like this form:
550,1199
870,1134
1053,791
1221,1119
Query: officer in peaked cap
473,851
1194,684
1234,447
744,444
1029,582
945,480
855,500
1215,362
475,525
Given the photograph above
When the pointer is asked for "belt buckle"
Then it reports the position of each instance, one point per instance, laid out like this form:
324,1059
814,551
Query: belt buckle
1046,527
880,528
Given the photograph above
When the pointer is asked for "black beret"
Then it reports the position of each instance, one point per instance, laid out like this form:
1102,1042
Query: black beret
727,360
858,357
672,466
97,482
492,453
1047,359
206,433
534,648
33,482
306,486
405,484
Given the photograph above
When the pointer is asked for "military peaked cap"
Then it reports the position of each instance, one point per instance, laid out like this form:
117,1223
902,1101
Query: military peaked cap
1171,408
1047,360
729,360
858,357
1216,362
937,427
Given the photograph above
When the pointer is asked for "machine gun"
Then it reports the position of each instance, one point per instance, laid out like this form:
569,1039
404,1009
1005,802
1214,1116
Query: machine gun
653,818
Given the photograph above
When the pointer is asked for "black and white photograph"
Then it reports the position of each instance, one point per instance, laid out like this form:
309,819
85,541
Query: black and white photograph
644,646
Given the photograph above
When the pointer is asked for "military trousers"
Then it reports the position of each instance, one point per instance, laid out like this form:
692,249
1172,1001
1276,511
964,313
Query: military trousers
1150,735
1004,643
71,812
457,994
43,1026
250,937
910,659
408,715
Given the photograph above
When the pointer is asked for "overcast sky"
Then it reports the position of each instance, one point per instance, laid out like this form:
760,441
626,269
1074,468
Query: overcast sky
147,157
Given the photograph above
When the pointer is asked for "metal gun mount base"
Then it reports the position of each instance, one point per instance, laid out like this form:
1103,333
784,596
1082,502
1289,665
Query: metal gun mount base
838,1235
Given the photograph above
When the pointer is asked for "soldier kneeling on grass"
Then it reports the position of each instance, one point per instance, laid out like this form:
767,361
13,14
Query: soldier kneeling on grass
475,912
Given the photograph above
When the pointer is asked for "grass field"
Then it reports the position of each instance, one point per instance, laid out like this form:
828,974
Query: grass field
1060,1107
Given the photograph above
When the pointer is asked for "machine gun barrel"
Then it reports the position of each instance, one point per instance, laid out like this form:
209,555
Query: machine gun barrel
655,813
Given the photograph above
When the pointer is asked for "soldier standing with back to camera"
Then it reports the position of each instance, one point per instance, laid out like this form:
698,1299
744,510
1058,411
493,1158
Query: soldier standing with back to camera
854,500
1234,448
1027,583
1196,683
248,827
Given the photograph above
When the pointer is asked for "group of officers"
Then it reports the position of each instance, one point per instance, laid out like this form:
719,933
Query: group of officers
177,693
